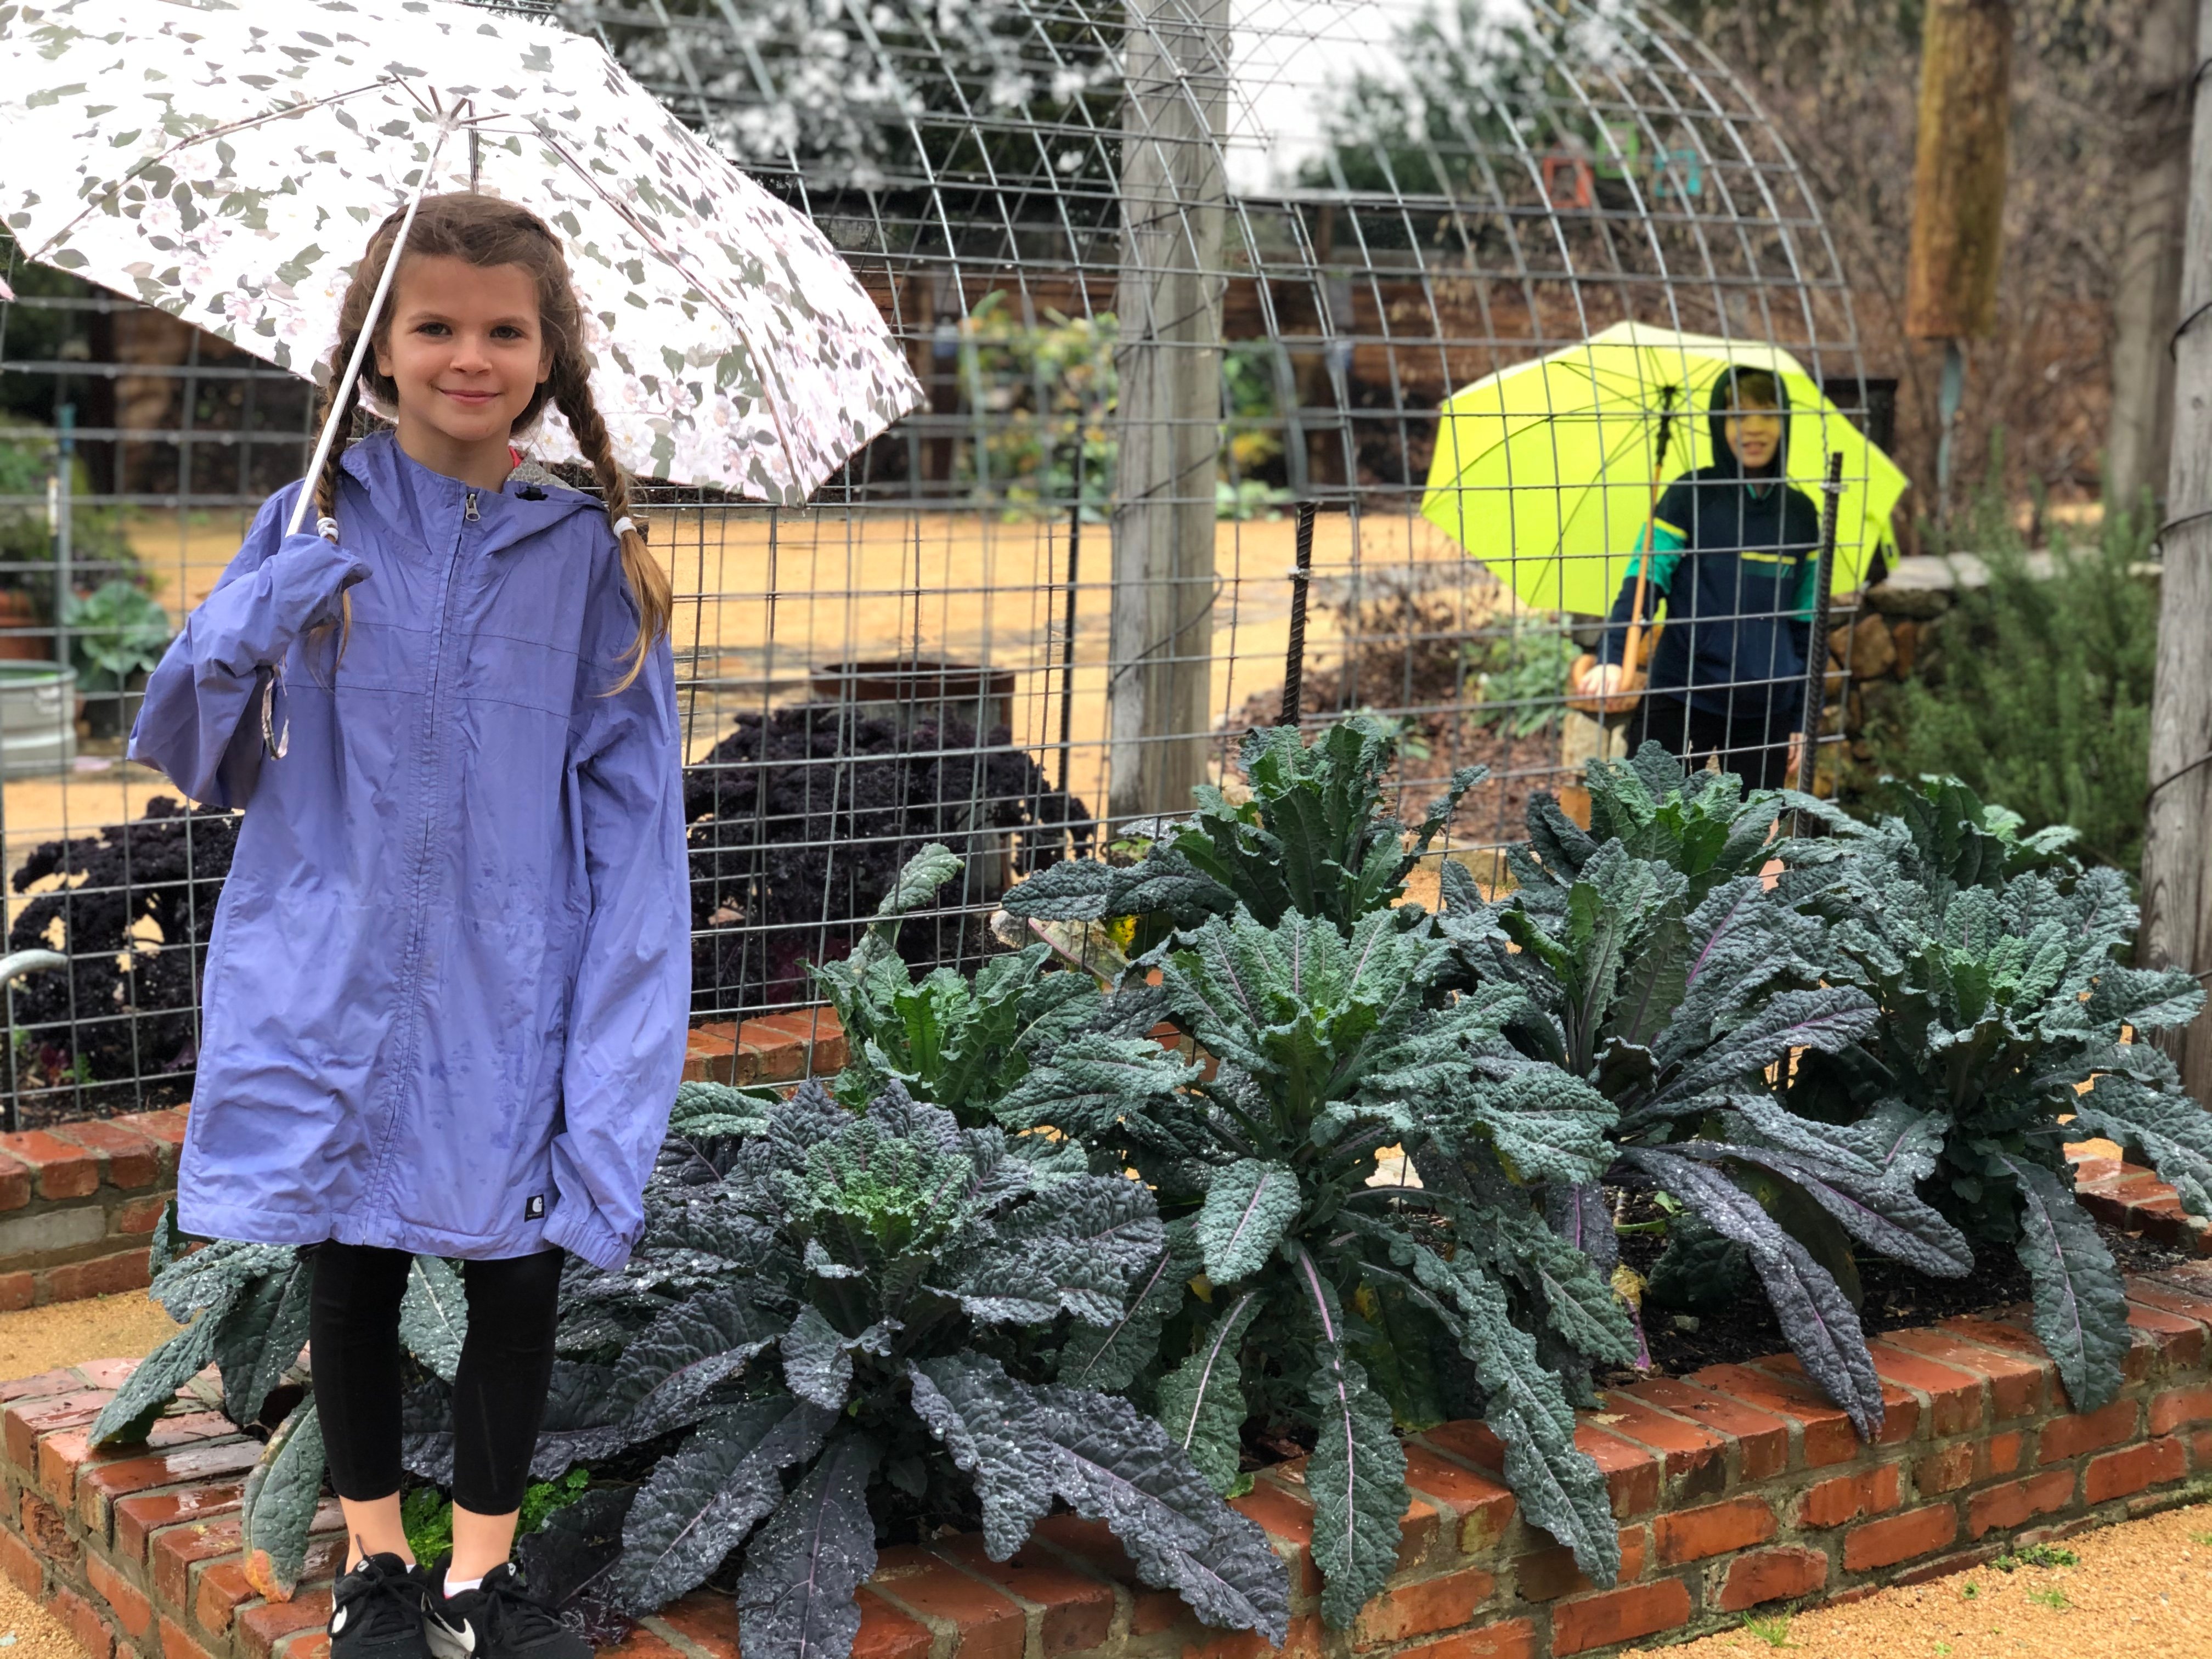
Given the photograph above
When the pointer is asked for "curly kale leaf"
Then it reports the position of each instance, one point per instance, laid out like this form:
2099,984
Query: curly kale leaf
1201,1401
1111,1357
2080,1307
1246,1210
795,1595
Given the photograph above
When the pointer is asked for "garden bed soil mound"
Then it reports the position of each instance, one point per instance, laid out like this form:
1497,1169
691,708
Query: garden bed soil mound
2142,1589
1896,1298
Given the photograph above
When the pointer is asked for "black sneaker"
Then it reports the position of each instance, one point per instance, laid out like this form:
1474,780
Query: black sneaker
498,1619
378,1612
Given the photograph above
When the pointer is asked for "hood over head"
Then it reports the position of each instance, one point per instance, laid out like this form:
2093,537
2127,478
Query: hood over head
1725,464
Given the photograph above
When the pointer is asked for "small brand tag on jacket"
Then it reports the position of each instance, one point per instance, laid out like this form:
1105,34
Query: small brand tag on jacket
534,1210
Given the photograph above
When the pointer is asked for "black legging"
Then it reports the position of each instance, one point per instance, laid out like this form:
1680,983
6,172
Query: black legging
498,1390
1755,746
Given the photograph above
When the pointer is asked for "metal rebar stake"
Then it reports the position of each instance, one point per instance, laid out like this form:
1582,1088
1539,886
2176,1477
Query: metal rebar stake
1294,658
1067,628
1816,643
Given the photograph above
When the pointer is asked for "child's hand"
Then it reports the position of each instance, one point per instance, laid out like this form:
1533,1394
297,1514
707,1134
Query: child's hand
1604,689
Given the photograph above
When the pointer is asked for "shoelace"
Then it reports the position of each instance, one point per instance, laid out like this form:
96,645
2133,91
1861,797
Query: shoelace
380,1602
513,1616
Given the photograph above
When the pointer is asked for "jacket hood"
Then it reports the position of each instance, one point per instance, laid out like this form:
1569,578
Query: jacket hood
1725,464
426,506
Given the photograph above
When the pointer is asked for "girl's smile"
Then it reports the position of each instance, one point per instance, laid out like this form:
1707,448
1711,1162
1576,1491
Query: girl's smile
466,351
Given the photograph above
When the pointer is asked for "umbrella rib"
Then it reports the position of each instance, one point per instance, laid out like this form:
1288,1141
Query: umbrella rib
286,113
768,370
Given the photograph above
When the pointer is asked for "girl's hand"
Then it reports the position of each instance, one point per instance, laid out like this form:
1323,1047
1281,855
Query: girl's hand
1604,689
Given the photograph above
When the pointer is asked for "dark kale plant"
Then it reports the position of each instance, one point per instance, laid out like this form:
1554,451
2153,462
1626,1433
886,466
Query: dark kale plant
1335,1305
2002,1006
1314,839
801,820
833,1327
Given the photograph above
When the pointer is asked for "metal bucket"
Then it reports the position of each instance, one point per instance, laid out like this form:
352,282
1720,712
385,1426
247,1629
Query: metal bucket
37,718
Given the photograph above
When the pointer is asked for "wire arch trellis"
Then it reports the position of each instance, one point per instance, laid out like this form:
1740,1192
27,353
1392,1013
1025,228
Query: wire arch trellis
1186,281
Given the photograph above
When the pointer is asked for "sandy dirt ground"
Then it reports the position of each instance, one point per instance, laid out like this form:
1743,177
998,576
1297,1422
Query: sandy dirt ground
38,1340
2141,1589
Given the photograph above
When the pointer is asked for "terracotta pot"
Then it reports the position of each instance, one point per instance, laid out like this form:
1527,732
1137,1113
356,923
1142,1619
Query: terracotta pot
22,637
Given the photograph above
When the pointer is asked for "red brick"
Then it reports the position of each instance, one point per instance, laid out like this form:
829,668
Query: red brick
1290,1520
1631,1471
62,1169
1417,1531
2200,1450
820,1038
1546,1574
134,1613
1619,1615
46,1530
2000,1509
1900,1407
18,1291
104,1275
222,1586
2005,1336
1946,1566
1092,1544
2069,1436
21,1564
1713,1529
1847,1497
1422,1607
2001,1453
2159,1293
710,1054
128,1157
2180,1409
99,1486
2180,1341
1514,1640
165,1128
266,1623
316,1644
1303,1642
1477,1507
642,1643
2017,1385
885,1632
1899,1538
1694,1460
106,1373
137,1215
176,1645
705,1618
989,1625
1762,1439
60,1455
1954,1396
15,1183
26,1420
1075,1611
1826,1435
1947,1470
177,1551
44,1386
2117,1474
137,1517
1771,1576
84,1621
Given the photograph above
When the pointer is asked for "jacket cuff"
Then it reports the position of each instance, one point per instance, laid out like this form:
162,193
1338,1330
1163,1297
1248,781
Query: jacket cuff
577,1228
312,576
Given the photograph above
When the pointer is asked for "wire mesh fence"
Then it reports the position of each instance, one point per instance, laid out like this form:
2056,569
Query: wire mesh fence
1227,312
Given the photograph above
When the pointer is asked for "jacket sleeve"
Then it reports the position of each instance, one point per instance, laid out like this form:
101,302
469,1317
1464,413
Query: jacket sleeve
277,588
631,1002
1663,544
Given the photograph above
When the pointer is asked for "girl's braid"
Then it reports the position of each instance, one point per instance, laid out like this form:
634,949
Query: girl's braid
326,491
649,587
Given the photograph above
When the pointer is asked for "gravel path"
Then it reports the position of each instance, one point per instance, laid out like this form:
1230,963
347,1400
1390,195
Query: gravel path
2140,1590
38,1340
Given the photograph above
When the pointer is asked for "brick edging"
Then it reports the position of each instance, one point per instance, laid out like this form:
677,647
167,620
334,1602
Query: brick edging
1734,1487
78,1202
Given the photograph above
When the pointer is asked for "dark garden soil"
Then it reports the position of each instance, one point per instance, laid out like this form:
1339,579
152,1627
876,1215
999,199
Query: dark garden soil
1895,1297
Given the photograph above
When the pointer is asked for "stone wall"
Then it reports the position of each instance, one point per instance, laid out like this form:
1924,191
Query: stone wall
1736,1487
78,1204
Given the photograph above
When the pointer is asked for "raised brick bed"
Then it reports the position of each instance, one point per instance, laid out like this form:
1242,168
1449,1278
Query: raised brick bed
1736,1488
78,1204
778,1049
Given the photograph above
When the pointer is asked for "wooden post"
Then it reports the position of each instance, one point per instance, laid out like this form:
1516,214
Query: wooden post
2177,928
1168,362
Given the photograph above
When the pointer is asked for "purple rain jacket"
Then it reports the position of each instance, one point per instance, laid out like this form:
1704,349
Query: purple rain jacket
447,985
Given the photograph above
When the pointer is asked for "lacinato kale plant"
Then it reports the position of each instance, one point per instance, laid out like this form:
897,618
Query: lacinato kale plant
2002,1007
1677,1009
838,1324
1314,839
1331,1305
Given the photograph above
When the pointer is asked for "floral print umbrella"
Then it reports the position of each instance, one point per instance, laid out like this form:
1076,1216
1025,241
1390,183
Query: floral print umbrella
228,163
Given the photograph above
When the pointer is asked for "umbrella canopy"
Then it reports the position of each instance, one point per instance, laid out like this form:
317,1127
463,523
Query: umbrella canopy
228,164
1543,472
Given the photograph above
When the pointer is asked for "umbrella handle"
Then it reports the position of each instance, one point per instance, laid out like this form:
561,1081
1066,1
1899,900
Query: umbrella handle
368,334
1635,640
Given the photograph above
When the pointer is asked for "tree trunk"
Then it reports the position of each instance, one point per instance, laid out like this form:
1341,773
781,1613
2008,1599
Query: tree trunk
2177,929
2146,297
1168,362
1958,169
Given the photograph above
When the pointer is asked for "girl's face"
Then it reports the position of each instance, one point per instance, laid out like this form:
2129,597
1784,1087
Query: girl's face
467,351
1754,433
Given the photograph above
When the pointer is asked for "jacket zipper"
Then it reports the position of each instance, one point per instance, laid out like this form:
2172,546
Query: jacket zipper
469,515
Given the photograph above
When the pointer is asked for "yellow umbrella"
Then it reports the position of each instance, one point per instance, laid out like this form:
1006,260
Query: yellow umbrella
1544,472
